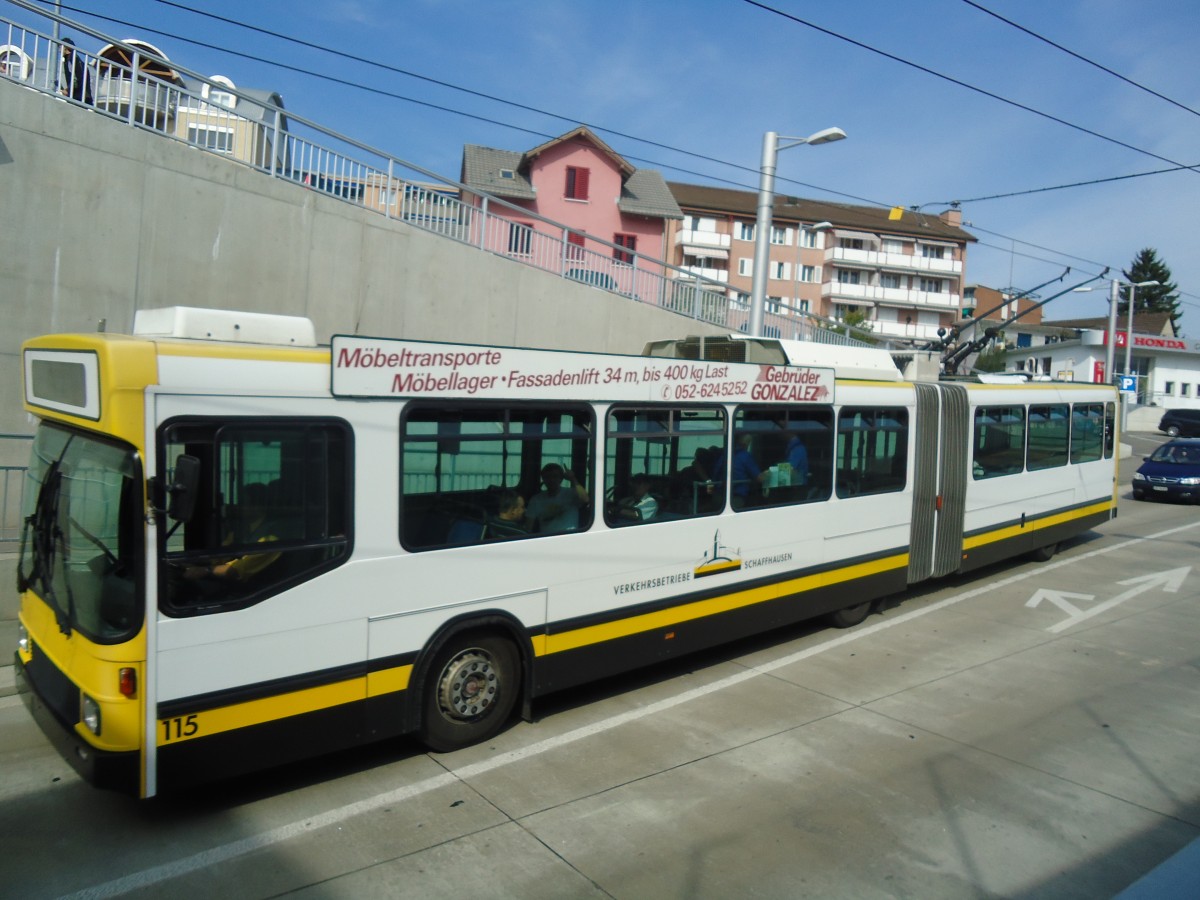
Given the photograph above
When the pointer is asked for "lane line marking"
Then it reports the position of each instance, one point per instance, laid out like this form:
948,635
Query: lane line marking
309,824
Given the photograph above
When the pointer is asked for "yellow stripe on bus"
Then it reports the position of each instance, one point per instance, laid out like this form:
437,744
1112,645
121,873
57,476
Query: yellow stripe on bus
665,618
1001,534
389,681
281,706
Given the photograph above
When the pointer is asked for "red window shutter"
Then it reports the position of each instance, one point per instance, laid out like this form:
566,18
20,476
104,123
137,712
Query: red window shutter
577,183
628,241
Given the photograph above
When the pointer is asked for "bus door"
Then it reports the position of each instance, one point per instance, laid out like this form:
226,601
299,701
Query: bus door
237,667
940,481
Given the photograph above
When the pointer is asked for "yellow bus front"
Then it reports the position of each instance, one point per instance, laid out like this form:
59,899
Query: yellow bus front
82,643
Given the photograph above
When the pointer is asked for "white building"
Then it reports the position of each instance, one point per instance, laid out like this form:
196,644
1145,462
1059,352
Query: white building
1166,366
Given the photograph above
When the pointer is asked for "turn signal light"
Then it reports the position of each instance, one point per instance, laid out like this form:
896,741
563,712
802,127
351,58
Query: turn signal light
127,681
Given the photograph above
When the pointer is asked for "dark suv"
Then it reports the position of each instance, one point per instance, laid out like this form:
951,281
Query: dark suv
1181,422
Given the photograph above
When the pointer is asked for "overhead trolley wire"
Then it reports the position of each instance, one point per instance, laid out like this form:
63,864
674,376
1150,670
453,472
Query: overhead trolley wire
1080,57
957,81
1058,187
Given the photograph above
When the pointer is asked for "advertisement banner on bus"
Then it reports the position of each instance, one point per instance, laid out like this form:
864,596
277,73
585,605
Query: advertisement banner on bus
380,367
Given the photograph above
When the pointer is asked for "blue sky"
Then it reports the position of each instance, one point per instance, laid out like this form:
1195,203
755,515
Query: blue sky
711,76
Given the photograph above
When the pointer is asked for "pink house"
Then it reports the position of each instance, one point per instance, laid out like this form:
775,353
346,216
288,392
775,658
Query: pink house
610,217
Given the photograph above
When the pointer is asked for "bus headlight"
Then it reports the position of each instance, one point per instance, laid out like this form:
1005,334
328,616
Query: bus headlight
91,714
22,639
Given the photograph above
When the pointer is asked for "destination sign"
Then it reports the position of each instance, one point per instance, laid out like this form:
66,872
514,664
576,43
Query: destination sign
382,367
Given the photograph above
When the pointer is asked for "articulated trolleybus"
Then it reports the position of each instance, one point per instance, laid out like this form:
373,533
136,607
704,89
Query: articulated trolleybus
241,548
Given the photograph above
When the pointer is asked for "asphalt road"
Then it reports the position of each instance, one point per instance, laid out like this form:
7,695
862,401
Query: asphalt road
1028,732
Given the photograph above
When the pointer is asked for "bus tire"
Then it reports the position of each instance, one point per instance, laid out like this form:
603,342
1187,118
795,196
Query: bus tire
1044,554
473,684
851,615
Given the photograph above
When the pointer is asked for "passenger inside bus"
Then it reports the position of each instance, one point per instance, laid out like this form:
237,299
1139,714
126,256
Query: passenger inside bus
692,486
797,458
252,525
640,505
557,506
509,520
748,478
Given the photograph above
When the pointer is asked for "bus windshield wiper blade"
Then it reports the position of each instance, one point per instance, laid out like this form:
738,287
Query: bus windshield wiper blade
47,536
67,617
38,530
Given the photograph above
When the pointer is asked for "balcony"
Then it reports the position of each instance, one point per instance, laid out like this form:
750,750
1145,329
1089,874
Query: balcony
877,259
721,275
912,332
710,244
839,292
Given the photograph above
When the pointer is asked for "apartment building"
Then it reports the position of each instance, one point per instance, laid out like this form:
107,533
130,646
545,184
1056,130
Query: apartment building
904,274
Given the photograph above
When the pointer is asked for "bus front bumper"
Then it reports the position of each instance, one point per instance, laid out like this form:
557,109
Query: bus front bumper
104,769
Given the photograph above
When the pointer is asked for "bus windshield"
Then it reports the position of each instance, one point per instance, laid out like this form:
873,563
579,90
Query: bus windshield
80,546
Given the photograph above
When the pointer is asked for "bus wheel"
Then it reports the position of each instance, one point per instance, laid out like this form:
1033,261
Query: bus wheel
471,690
1044,554
851,615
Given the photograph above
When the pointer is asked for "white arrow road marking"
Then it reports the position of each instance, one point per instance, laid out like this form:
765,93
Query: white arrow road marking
1059,599
1170,581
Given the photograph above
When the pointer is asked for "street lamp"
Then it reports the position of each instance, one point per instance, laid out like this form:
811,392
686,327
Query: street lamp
1110,345
766,200
1129,323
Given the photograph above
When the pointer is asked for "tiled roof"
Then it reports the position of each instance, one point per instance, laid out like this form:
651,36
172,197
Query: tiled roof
588,135
1143,323
703,198
645,193
482,167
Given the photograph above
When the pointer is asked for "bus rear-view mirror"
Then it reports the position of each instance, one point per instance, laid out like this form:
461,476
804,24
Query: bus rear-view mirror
181,494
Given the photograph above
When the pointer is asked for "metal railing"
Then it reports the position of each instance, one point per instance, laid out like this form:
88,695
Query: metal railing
149,92
12,486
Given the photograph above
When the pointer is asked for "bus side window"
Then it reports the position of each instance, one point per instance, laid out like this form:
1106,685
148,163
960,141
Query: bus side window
1048,443
663,463
872,451
999,444
1087,432
782,455
463,466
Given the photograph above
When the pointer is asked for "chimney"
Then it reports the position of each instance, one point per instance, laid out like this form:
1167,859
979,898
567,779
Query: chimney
952,217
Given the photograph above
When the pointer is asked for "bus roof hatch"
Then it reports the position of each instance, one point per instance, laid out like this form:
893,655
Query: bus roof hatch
224,325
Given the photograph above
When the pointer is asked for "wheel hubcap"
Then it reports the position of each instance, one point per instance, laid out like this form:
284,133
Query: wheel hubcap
468,685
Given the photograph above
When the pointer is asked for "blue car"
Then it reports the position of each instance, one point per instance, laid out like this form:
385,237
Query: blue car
1170,472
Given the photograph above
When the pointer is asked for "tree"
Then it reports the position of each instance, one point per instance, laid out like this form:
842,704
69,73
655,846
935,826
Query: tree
1163,297
858,326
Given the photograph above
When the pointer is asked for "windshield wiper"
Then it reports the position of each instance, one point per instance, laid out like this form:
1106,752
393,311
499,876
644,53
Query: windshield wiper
47,536
110,559
36,524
